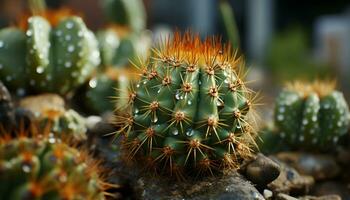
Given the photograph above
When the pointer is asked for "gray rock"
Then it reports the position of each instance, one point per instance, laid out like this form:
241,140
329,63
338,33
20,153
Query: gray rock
262,170
282,196
230,186
331,188
326,197
290,181
320,166
267,194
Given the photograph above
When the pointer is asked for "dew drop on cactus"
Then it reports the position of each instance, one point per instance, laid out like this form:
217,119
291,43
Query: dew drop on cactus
189,111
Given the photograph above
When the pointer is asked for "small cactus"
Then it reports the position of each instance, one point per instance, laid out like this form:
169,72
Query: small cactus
189,112
311,115
46,168
49,110
48,59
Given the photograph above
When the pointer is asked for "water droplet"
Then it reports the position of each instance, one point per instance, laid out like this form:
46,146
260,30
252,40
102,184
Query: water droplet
159,90
177,95
199,82
189,102
1,66
305,121
326,106
70,48
93,83
68,37
32,82
67,64
39,69
26,167
226,80
52,140
314,118
8,78
58,33
282,109
20,92
144,82
280,117
136,110
189,132
138,85
301,138
29,33
154,118
69,25
1,44
174,131
80,33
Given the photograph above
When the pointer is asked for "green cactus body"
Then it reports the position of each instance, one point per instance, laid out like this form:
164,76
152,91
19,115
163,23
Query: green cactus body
129,13
33,168
50,59
108,43
311,115
189,110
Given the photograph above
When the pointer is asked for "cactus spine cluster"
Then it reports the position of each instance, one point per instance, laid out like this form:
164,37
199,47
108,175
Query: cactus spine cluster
189,112
48,59
46,168
311,115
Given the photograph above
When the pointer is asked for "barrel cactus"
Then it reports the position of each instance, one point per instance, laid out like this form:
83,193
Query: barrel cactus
48,59
46,168
189,112
311,115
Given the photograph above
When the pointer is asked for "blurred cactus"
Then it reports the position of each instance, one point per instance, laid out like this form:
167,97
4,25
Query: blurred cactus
49,59
127,13
46,168
49,110
311,115
189,112
229,21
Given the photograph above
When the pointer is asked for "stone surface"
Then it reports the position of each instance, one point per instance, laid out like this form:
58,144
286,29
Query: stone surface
267,194
262,170
331,188
320,166
290,181
282,196
326,197
229,186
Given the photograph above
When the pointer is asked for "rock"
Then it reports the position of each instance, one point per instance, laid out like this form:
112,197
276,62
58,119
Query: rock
229,186
290,181
262,170
331,188
282,196
319,166
326,197
267,194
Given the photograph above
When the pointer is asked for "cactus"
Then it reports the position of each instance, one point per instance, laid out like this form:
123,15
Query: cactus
189,112
7,119
49,110
311,115
48,59
127,13
46,168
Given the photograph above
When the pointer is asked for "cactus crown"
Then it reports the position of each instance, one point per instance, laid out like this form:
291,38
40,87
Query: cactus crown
189,110
311,115
43,167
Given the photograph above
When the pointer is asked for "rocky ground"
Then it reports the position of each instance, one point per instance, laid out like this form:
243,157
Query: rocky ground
285,176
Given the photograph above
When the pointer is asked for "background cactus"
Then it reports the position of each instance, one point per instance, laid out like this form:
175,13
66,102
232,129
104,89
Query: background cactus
127,13
311,115
46,168
48,59
49,110
190,109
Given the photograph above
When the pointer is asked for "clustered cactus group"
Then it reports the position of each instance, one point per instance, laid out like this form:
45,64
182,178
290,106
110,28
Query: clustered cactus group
48,59
189,111
311,114
46,168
